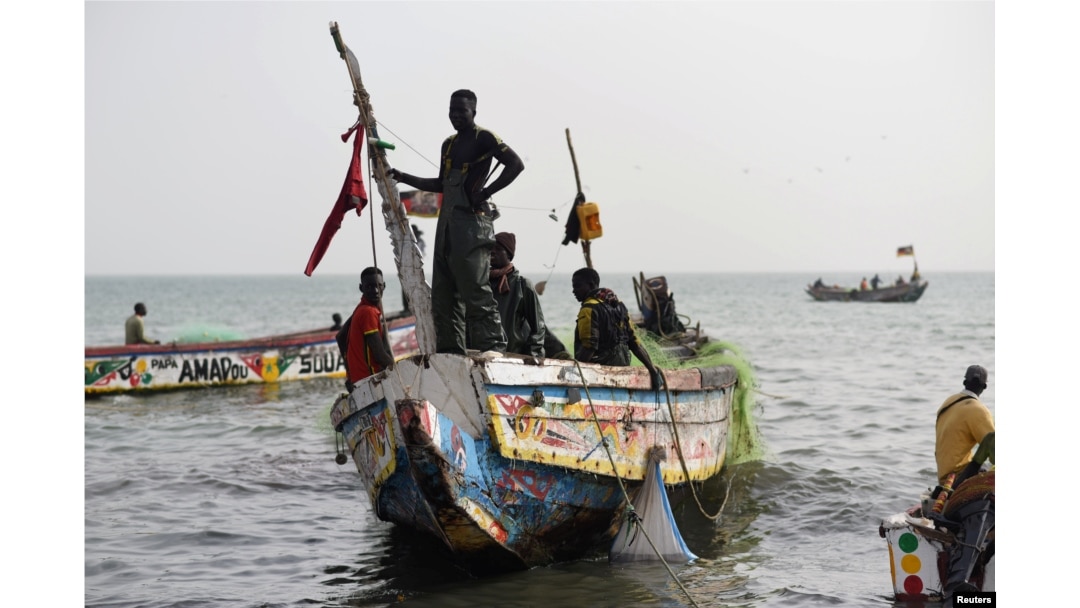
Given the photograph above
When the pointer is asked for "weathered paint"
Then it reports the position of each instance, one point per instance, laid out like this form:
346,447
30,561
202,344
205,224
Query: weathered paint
919,559
153,367
496,457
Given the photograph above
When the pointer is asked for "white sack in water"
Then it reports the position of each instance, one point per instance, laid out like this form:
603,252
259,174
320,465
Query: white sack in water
656,521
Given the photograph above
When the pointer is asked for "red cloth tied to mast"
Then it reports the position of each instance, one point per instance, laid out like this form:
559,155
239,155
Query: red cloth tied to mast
353,196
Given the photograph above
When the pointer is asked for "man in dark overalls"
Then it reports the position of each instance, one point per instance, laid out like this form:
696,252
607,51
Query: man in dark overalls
460,289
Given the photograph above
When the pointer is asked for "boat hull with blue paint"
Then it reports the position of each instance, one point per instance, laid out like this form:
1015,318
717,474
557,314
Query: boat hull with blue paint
514,462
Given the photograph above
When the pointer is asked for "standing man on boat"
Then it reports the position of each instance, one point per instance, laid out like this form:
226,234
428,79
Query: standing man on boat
133,327
962,423
461,298
363,340
604,332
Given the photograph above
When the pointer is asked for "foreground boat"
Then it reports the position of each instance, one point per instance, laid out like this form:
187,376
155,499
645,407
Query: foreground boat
509,461
280,358
937,542
514,462
904,292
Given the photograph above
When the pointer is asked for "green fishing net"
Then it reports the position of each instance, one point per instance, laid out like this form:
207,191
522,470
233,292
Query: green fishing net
744,440
193,334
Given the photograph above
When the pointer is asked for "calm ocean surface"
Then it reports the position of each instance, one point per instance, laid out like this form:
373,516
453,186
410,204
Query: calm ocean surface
231,497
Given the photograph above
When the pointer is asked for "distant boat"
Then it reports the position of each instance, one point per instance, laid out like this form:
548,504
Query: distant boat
280,358
900,291
904,292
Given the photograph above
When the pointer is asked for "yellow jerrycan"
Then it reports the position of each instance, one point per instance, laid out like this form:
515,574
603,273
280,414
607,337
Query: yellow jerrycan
589,216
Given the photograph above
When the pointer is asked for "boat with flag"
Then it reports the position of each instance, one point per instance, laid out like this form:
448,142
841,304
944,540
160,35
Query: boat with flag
143,368
511,461
900,290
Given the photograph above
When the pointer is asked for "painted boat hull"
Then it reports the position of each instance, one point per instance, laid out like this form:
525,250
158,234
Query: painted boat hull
501,459
919,558
908,292
298,356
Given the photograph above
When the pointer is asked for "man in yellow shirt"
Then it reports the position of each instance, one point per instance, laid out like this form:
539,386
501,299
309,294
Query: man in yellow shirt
962,423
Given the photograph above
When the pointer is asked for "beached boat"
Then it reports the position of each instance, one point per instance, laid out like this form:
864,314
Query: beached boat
280,358
941,540
511,461
904,292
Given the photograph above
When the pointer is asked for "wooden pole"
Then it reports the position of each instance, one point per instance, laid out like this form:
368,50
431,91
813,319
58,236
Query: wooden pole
586,245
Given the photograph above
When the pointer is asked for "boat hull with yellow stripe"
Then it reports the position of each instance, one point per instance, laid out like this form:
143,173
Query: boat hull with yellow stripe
514,462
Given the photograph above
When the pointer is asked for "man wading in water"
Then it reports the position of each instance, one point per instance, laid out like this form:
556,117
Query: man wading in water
460,290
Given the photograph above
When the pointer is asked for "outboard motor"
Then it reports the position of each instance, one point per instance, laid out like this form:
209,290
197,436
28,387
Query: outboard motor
658,307
969,514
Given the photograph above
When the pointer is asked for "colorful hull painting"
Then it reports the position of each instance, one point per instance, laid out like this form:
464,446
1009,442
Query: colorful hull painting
502,460
908,292
919,558
296,356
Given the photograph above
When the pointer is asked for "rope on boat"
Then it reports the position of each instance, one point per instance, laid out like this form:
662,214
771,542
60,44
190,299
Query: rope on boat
622,486
682,461
761,392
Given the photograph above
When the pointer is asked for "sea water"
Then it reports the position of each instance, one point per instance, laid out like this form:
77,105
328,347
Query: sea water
231,496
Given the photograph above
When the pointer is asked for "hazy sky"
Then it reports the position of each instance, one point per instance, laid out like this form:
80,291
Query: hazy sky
716,136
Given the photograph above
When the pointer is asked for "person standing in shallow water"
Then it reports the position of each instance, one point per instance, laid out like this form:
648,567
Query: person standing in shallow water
461,298
133,327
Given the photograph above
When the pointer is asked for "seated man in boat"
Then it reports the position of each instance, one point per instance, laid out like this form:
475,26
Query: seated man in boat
362,340
133,327
519,306
605,333
818,283
962,423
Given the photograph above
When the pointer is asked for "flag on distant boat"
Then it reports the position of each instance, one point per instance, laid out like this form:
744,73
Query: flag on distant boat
422,204
352,196
902,251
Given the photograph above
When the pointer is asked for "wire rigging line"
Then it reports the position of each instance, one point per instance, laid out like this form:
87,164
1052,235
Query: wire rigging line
408,145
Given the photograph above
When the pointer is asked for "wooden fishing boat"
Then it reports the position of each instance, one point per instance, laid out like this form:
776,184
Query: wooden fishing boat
904,292
294,356
899,291
514,462
921,543
511,461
